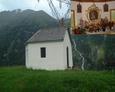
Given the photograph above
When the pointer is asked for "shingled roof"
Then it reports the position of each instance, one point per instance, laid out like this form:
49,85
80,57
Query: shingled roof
46,35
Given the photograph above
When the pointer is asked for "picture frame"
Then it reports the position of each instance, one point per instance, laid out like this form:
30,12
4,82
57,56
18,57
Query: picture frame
93,13
73,18
112,15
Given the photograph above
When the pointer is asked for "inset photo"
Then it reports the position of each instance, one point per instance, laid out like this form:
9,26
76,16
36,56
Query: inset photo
93,16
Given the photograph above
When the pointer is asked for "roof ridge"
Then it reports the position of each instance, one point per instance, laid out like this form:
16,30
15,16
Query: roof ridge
33,35
46,35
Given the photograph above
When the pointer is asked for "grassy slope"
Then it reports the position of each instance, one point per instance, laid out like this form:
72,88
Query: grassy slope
19,79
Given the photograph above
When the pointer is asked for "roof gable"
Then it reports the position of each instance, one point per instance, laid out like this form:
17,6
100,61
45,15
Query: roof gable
47,35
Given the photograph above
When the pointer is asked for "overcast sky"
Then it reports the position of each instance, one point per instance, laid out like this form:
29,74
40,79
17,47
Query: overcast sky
31,4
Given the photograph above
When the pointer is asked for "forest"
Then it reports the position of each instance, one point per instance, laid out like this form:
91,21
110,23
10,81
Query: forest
16,27
95,52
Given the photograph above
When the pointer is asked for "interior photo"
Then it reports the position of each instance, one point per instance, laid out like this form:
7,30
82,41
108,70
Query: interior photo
93,16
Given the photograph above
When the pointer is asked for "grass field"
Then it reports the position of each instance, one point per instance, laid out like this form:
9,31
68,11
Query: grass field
19,79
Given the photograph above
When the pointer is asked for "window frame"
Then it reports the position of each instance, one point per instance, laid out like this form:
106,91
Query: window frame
43,52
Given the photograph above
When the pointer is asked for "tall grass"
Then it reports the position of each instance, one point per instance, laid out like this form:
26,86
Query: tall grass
20,79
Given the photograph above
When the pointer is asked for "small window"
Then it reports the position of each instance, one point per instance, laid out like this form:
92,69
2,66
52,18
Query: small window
43,52
79,8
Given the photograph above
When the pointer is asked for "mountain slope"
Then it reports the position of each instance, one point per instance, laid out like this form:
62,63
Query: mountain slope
16,27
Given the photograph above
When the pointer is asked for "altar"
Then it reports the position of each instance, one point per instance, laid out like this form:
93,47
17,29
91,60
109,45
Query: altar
93,13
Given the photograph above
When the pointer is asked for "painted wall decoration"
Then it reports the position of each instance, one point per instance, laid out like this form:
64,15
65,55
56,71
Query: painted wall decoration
112,13
93,13
72,18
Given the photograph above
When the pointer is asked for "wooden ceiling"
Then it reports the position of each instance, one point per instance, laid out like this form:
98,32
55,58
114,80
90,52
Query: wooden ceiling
92,0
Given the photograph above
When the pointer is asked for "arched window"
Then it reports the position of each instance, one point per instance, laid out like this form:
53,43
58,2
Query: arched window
79,8
105,7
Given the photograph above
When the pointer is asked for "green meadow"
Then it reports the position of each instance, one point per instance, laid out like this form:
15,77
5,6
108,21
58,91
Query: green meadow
20,79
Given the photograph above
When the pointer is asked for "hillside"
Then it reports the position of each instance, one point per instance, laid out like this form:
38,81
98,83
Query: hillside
16,27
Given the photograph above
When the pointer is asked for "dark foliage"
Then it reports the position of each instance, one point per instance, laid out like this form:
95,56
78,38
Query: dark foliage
97,50
16,27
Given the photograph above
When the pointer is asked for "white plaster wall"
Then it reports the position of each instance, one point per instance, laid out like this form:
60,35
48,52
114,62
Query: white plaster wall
54,56
86,5
67,43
